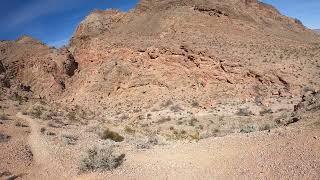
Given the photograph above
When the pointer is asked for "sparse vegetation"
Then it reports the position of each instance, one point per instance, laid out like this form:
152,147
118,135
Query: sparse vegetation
129,130
3,116
192,121
101,159
184,135
167,104
19,98
164,119
244,112
266,111
49,133
114,136
195,136
4,137
248,129
265,127
72,116
42,130
195,104
19,124
176,108
5,173
36,111
69,139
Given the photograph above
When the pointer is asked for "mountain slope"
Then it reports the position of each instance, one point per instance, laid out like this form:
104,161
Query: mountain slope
192,50
182,59
191,88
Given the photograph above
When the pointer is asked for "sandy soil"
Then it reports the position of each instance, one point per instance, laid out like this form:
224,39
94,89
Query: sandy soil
281,154
284,153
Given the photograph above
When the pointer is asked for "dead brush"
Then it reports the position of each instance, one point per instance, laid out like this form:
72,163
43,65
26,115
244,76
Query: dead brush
114,136
101,159
36,111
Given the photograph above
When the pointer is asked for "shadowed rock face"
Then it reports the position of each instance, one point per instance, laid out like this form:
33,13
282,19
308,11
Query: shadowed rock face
189,50
70,65
2,68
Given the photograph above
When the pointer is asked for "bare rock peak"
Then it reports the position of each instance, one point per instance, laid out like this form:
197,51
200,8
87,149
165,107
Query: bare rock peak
27,39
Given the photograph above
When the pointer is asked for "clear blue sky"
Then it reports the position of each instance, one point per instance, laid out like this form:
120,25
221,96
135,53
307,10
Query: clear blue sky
54,21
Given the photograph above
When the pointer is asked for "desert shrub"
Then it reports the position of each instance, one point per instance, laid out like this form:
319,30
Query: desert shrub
101,159
147,144
180,135
248,129
72,116
124,117
24,112
167,103
244,112
265,127
69,139
200,126
5,173
36,111
47,115
129,130
4,137
114,136
184,135
17,97
193,120
195,136
3,116
164,119
42,130
266,111
19,124
176,108
195,104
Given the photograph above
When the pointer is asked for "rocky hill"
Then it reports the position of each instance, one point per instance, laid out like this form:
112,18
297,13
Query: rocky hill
185,52
167,71
317,30
190,51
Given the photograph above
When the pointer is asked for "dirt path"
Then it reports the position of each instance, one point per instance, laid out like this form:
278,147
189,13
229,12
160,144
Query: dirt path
283,154
15,154
46,160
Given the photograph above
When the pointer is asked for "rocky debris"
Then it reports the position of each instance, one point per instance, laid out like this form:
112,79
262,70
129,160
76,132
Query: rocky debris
210,11
310,102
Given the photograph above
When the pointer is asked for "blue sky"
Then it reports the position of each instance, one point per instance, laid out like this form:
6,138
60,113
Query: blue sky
51,21
54,21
